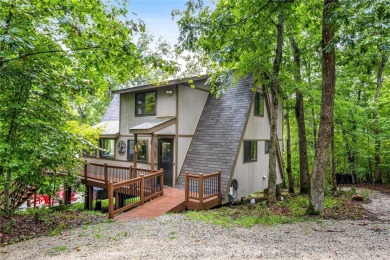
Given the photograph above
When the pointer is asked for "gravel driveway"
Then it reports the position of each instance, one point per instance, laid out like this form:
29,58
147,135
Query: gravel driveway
173,237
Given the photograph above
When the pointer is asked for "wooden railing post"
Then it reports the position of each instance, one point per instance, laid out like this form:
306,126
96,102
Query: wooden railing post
162,181
110,190
219,186
200,184
186,188
85,170
142,189
131,172
105,173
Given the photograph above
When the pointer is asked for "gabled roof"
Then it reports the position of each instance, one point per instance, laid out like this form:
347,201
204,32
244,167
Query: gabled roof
183,81
217,138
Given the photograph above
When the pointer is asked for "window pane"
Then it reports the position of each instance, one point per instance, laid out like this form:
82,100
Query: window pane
250,151
267,144
130,152
150,102
107,147
259,104
253,150
142,150
145,103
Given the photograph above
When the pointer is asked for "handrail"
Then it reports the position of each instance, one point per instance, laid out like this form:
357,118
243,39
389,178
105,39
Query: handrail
203,191
134,192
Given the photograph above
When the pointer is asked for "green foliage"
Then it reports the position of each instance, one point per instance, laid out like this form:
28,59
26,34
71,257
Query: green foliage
58,61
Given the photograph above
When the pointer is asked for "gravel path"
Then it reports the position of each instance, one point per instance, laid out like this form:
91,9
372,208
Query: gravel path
173,237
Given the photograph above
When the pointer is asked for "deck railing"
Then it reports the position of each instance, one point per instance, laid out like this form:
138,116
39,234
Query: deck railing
128,194
202,191
107,173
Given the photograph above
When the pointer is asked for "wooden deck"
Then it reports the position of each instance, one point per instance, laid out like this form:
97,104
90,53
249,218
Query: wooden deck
172,200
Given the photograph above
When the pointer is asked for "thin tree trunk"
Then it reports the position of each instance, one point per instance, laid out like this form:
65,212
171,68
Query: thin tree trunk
300,116
377,155
288,170
314,127
332,162
327,107
274,112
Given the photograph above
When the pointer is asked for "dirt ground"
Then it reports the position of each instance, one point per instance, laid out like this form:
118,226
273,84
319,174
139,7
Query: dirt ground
172,236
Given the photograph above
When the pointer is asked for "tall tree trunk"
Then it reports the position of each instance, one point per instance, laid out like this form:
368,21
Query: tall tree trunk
300,116
377,155
288,170
274,112
327,106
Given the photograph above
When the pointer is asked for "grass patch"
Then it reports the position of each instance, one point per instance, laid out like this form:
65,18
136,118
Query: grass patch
292,209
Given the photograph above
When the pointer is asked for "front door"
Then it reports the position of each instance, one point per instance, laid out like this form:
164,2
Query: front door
165,159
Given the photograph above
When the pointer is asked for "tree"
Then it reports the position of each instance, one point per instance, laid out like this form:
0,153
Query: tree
236,36
327,106
52,53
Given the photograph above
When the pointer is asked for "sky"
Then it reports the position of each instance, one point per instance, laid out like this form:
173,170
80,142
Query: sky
156,14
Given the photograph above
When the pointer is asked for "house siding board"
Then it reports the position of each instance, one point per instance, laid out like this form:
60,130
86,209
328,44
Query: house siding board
190,107
250,175
217,136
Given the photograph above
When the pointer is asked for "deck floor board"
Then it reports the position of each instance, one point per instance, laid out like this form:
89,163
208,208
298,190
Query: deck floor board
171,199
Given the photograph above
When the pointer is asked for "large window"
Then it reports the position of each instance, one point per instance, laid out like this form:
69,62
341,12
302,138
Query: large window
145,103
142,150
107,147
250,151
259,104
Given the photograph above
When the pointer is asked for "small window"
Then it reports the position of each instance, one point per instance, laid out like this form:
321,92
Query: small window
145,104
250,151
107,147
142,150
259,104
266,146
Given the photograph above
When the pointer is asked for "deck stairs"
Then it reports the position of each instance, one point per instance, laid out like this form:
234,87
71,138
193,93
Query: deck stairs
172,200
19,193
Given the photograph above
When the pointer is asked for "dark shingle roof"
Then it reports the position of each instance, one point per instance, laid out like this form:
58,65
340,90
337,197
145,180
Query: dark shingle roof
112,112
217,137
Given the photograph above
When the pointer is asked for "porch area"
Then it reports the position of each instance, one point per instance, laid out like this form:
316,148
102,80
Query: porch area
125,188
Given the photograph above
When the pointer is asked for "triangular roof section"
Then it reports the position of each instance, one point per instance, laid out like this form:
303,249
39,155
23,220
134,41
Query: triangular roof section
110,119
218,135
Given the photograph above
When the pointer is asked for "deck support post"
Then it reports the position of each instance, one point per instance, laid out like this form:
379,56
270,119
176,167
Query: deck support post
186,188
153,152
135,152
162,181
200,190
110,190
219,186
142,188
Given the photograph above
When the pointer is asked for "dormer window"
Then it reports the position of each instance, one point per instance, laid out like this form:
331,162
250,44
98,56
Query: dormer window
145,104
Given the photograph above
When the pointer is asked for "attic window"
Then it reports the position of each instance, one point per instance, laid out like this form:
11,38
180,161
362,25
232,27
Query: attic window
250,151
145,104
259,104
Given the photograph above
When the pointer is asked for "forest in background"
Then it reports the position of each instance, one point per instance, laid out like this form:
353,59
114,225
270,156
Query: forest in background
60,59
